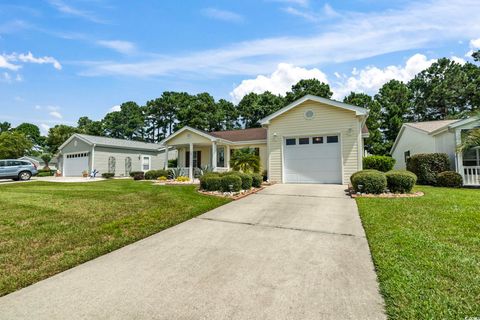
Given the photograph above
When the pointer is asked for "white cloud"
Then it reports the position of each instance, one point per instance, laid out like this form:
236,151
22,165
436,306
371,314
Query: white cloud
121,46
6,77
30,58
371,78
351,37
279,82
300,13
4,63
224,15
474,45
114,108
56,114
44,128
68,9
458,59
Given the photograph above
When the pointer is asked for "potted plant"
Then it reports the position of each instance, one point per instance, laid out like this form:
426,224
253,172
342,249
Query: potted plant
85,173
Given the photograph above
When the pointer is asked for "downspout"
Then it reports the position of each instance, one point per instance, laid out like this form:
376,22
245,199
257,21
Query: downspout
93,157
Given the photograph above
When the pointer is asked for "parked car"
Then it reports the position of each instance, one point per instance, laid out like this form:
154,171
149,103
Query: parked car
17,169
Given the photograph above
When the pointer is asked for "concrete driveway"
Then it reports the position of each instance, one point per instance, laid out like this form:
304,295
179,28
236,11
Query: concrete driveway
288,252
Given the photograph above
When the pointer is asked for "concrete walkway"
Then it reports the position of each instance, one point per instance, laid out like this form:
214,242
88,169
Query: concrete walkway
288,252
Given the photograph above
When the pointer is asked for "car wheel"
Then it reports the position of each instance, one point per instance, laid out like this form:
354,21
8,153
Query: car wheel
24,175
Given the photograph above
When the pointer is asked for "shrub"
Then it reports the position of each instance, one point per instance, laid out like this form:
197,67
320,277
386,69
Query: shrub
154,174
449,179
162,178
182,179
232,180
247,180
137,175
257,180
400,181
426,166
108,175
245,160
372,181
44,174
203,183
380,163
362,171
212,183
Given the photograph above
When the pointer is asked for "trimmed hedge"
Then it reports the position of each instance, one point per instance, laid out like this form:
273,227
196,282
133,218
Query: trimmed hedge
426,166
449,179
212,183
231,180
137,175
257,180
203,183
155,174
372,181
361,171
108,175
246,180
380,163
400,181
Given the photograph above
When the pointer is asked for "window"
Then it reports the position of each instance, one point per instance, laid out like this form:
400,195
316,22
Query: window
291,142
471,157
221,157
303,140
406,155
256,151
11,163
145,163
317,140
111,164
332,139
2,163
197,159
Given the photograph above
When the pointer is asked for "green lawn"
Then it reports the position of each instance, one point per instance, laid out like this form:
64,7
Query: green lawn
47,227
427,252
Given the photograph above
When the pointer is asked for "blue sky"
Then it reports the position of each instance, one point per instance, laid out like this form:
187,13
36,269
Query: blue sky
61,59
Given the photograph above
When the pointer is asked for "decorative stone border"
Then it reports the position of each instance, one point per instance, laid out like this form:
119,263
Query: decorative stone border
353,194
232,195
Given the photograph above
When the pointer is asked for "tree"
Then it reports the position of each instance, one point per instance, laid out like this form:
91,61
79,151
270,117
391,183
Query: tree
199,112
374,144
245,160
395,99
439,92
46,157
58,135
254,107
128,123
87,126
476,55
5,126
32,132
308,86
14,145
227,115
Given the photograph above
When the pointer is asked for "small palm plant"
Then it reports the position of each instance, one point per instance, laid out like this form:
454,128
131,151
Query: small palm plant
471,139
245,160
46,157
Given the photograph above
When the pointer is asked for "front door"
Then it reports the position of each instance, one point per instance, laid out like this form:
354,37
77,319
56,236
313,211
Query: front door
197,159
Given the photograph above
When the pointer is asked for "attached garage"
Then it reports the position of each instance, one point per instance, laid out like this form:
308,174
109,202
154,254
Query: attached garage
75,164
312,159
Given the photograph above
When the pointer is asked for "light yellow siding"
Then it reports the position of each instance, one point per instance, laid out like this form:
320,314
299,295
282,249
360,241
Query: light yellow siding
187,137
327,120
205,156
412,140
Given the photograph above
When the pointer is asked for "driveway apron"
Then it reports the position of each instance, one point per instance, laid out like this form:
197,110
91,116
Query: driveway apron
287,252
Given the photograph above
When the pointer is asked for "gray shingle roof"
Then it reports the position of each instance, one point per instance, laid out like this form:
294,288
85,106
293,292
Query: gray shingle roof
120,143
430,126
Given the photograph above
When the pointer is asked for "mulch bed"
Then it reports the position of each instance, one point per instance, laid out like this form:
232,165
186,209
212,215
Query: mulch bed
353,194
232,195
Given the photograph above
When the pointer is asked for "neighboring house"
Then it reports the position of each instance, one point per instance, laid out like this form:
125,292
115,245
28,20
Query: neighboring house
439,136
312,140
40,163
84,153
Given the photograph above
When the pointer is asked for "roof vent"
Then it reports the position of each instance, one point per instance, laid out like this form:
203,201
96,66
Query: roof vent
309,114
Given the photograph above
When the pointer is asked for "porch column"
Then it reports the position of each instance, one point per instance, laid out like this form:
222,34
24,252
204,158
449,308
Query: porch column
166,157
459,155
190,164
214,156
227,157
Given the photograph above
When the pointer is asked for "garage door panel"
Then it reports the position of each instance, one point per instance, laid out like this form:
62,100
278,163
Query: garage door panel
312,163
75,164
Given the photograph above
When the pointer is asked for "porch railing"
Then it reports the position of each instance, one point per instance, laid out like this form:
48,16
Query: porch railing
471,176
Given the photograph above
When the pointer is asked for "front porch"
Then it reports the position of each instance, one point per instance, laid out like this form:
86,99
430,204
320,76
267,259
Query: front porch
467,163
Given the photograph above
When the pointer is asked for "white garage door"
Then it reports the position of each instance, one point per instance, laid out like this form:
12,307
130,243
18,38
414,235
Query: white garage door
313,159
75,164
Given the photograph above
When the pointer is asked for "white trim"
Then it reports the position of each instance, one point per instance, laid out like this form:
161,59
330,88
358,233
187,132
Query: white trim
463,122
149,162
200,133
358,110
247,142
93,158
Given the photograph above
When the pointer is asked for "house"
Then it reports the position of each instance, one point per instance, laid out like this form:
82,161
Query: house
83,152
439,136
40,163
311,140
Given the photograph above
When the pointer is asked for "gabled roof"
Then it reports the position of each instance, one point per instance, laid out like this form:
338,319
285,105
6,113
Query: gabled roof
113,143
197,131
242,135
358,110
430,126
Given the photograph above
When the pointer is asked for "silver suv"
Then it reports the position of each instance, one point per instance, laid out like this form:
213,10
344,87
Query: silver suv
17,169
